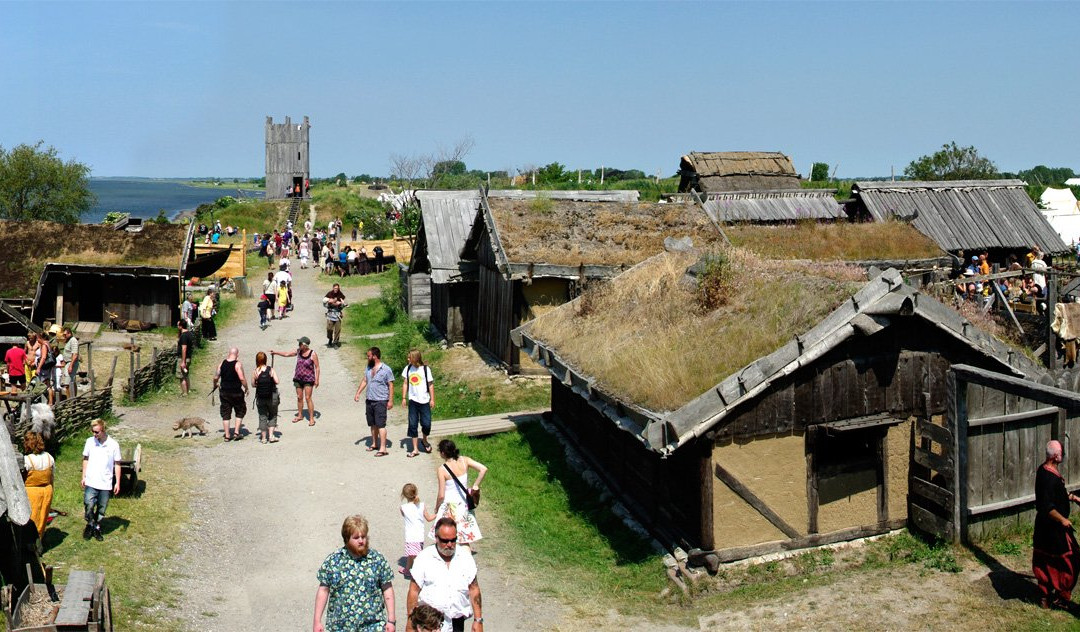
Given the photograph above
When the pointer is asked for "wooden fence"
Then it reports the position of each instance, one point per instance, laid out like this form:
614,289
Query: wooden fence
976,472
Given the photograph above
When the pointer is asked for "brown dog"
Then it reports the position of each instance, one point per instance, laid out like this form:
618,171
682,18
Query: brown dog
187,426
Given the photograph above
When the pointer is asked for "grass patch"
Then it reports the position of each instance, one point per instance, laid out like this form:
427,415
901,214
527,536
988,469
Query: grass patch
622,332
558,527
255,216
142,533
368,317
840,241
381,279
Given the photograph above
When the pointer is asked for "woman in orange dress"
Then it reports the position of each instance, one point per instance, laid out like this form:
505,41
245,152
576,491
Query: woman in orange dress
39,479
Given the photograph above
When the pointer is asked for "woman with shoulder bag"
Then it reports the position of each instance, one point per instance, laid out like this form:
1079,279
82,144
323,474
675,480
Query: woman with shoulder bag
454,493
264,380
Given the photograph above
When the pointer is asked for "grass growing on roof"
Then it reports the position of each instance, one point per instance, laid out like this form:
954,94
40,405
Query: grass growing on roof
558,527
840,241
648,337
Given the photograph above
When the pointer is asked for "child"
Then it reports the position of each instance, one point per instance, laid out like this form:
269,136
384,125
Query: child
282,298
424,618
414,513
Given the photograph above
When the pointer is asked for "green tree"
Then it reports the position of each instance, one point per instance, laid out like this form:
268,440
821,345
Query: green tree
552,173
1046,175
36,184
819,172
952,162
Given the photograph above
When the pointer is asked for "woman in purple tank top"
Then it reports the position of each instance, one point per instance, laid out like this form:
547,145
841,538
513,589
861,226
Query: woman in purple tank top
305,378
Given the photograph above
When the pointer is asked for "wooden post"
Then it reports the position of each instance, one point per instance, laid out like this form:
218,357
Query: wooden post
956,419
243,251
1051,337
60,302
112,371
131,370
883,477
706,478
811,481
90,363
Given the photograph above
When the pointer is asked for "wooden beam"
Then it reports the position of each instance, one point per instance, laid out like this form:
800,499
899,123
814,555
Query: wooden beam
1018,386
1051,337
940,463
1008,308
883,478
956,420
936,433
930,522
1011,417
819,539
707,507
934,493
812,501
751,499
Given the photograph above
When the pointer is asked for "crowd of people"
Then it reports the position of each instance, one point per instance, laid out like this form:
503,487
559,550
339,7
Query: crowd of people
1027,288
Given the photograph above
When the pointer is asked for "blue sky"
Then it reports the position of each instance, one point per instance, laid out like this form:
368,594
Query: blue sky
183,89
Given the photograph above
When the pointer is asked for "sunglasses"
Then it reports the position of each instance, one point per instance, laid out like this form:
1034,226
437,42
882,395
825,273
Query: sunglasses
447,540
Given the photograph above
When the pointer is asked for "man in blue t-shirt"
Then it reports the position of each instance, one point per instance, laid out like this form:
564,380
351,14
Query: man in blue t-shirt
379,380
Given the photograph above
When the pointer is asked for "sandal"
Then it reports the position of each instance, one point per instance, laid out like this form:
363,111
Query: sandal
296,419
370,449
311,423
412,454
273,440
381,453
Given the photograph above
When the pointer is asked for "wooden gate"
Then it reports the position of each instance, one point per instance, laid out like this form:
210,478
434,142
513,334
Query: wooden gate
998,426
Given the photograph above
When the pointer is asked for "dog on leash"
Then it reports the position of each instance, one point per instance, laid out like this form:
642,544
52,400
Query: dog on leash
187,426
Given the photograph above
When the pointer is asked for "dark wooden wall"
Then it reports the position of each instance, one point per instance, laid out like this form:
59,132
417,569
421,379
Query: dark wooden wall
495,314
664,494
150,299
453,309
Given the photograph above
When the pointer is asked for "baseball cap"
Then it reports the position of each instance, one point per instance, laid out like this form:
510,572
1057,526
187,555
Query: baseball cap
304,341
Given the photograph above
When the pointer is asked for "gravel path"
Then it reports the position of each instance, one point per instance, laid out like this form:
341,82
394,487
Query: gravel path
265,516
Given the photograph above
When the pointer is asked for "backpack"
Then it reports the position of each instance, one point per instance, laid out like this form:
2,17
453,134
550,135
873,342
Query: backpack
206,310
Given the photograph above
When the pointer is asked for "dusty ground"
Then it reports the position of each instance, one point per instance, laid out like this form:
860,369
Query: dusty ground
265,516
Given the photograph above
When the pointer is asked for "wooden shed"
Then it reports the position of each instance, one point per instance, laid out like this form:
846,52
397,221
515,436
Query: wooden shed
969,215
788,416
536,250
441,286
288,160
713,171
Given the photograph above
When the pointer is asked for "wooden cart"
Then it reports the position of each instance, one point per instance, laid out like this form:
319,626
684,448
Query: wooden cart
86,606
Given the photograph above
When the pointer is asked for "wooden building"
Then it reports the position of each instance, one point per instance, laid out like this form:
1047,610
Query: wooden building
715,171
773,206
439,285
17,532
968,215
288,165
76,272
812,442
533,251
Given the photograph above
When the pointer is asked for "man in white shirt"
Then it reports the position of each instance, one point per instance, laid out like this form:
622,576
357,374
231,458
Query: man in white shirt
100,477
445,578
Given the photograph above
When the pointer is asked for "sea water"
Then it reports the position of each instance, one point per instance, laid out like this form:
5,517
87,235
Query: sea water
144,197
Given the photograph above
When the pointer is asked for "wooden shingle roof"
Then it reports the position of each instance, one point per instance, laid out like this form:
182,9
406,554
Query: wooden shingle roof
784,205
446,217
739,163
963,214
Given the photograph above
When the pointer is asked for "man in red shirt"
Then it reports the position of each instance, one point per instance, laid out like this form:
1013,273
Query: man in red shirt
15,359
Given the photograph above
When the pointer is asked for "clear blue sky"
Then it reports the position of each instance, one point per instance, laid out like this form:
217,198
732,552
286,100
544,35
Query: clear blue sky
183,89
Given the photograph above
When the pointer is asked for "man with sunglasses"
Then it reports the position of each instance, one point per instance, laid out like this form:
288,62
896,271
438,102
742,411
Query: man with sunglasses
100,477
445,578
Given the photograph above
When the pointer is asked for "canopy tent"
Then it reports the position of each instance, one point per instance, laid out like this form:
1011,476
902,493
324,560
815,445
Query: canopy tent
1060,208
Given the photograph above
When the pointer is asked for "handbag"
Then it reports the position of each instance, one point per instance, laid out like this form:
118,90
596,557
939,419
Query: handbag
472,496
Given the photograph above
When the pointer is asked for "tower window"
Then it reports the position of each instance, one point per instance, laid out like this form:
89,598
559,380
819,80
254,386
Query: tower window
298,155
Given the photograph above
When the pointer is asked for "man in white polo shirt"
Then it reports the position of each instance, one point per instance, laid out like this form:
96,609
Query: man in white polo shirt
100,477
444,578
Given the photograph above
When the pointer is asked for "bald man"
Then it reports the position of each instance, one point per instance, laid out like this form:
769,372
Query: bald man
234,389
1056,553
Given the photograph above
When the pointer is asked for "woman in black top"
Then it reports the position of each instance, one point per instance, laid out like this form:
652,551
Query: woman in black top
1056,553
265,381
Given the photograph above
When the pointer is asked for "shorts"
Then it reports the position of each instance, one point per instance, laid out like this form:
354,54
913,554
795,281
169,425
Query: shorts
233,402
17,380
302,383
375,412
181,373
419,415
268,411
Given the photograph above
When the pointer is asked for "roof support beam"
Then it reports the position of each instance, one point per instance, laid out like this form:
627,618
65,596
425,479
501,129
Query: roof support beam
751,499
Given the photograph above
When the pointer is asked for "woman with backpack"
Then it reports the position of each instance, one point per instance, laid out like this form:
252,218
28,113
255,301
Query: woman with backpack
267,399
419,395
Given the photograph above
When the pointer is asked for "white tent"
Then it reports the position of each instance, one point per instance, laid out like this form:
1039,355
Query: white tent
1061,209
1072,182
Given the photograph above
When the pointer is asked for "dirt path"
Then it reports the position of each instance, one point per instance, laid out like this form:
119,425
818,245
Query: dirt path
265,516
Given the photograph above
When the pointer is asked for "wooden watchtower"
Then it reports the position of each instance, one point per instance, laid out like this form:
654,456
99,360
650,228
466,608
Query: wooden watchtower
287,165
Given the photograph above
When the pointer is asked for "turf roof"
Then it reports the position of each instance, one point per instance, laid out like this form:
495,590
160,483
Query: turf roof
839,241
645,337
564,232
29,245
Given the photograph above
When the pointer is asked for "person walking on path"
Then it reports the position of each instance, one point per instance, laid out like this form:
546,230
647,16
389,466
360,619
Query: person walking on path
234,390
71,356
305,378
379,380
356,591
335,304
100,477
1056,553
414,513
444,577
453,476
184,346
419,394
207,310
265,382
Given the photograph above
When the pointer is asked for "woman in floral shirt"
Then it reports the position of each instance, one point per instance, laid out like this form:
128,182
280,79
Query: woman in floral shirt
356,581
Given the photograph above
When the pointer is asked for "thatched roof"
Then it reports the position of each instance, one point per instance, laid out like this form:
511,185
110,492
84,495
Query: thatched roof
571,234
737,171
966,215
28,246
639,352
